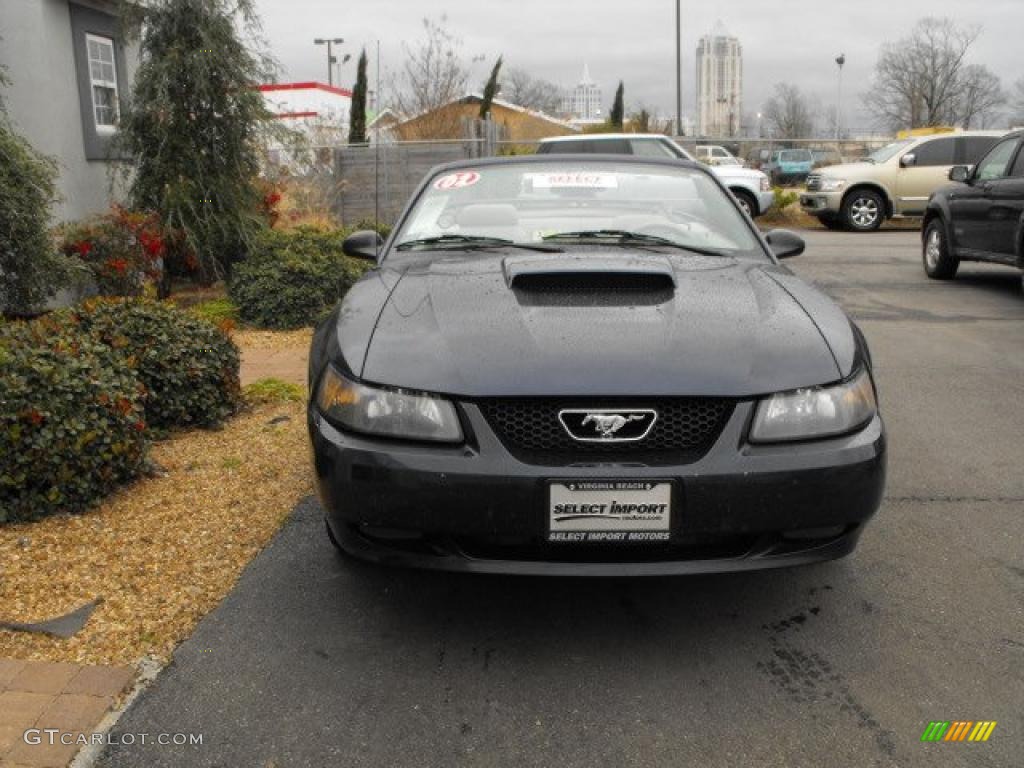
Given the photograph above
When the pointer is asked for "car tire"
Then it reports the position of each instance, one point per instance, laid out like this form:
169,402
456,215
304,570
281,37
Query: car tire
747,202
863,210
334,540
939,263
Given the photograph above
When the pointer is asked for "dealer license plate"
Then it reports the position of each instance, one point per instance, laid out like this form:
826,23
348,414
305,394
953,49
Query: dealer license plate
608,512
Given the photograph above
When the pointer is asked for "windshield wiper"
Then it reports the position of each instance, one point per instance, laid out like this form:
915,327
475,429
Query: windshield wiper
624,237
471,242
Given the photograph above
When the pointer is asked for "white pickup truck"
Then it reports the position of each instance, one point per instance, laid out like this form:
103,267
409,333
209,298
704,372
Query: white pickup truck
751,188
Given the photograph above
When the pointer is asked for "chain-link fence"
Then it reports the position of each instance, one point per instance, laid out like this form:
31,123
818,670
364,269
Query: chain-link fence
351,184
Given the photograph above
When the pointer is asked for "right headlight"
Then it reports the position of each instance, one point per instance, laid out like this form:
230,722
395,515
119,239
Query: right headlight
816,412
387,412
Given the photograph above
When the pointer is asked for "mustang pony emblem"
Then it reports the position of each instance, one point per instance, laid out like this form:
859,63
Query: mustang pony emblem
609,423
612,425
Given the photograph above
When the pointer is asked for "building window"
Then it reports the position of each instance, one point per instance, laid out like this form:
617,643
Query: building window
103,82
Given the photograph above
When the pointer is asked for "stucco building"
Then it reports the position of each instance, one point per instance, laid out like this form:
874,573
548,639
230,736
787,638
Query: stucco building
69,71
449,121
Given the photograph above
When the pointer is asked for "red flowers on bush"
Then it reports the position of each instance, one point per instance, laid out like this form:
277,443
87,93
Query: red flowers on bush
152,244
123,249
270,202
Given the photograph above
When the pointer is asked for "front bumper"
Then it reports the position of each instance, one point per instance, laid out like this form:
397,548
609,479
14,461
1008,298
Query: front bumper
477,508
821,203
792,173
765,202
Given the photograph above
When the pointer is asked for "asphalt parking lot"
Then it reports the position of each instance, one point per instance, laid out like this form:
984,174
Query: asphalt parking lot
313,662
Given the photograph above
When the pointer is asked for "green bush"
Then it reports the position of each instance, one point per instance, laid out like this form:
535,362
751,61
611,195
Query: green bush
291,279
219,312
384,230
71,419
784,198
31,268
274,391
188,367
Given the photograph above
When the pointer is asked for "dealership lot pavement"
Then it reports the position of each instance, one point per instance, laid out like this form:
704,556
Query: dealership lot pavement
312,661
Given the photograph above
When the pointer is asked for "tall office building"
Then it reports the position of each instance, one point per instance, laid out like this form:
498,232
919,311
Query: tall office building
584,102
719,84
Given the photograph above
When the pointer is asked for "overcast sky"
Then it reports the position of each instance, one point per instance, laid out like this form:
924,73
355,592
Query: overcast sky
783,40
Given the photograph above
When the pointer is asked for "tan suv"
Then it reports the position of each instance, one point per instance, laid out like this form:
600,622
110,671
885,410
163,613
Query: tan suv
892,182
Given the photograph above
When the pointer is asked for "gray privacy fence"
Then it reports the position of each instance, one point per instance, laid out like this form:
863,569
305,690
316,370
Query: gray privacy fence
379,180
358,183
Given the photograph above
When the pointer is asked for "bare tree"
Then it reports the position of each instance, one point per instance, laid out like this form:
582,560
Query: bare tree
522,88
433,74
920,80
831,120
788,114
640,121
981,94
1017,103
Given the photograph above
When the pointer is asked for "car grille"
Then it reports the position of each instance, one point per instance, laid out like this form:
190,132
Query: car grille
814,182
685,429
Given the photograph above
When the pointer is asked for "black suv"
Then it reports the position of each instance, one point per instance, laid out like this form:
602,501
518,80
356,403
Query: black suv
981,218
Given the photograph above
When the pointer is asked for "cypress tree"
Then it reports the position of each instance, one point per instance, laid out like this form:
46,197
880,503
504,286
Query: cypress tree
490,90
357,118
616,116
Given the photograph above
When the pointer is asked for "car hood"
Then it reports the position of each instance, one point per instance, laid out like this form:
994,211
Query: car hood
844,170
736,172
595,324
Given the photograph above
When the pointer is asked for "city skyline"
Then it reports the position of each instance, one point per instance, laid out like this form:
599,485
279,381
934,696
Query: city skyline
719,83
584,102
554,46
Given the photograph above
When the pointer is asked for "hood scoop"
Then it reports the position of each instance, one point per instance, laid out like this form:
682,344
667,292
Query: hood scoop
590,280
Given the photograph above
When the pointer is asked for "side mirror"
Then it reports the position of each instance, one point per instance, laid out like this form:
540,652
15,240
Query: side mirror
364,244
785,244
908,160
960,173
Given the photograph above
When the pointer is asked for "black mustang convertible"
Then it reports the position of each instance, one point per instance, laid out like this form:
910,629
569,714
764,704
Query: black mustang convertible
590,365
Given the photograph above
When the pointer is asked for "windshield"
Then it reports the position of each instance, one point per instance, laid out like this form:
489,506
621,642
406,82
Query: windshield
795,156
530,203
889,151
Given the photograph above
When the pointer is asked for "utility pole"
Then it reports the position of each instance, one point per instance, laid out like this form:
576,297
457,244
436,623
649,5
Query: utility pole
840,60
679,82
330,56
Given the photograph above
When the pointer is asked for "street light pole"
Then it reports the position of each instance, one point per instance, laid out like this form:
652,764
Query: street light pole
330,56
840,60
679,83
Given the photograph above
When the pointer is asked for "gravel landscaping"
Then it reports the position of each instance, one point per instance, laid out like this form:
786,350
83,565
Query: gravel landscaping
161,552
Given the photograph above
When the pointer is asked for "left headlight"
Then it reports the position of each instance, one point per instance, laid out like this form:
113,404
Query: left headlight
818,412
387,412
831,185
